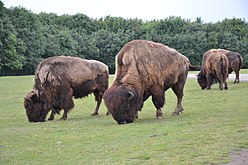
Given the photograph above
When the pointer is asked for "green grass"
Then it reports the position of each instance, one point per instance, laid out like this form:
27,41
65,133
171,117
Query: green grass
214,123
242,71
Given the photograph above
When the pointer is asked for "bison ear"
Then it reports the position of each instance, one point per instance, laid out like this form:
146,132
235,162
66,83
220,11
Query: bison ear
33,95
130,95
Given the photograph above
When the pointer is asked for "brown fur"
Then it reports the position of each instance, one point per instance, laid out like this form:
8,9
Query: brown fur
58,79
235,62
214,65
143,69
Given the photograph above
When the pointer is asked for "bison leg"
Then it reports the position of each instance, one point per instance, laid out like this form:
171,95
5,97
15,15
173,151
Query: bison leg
98,98
237,77
64,117
226,87
52,115
68,103
221,81
158,101
178,90
54,111
225,83
210,81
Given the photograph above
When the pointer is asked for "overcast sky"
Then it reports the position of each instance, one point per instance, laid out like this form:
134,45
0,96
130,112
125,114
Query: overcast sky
208,10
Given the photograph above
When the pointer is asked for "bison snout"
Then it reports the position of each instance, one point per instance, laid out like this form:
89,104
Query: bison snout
124,122
36,120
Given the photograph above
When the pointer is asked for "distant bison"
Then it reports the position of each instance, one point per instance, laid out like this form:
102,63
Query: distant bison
235,62
214,67
58,79
143,69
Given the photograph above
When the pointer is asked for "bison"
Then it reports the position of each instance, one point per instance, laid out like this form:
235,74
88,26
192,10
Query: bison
58,79
214,67
235,62
144,69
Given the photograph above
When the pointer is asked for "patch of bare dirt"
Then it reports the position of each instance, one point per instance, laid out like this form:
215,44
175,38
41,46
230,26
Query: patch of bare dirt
239,158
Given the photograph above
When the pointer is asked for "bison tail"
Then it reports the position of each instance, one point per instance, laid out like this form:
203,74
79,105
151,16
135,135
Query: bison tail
194,68
240,61
224,67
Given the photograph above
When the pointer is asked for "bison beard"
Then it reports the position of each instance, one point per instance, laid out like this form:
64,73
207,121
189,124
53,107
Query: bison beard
58,79
144,69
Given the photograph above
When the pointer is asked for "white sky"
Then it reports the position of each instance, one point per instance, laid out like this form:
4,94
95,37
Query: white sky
208,10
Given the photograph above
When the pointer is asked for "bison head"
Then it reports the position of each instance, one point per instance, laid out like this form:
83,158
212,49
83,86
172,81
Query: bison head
202,80
35,110
123,103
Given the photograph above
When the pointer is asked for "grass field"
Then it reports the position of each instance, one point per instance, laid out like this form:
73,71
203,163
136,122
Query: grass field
214,123
242,71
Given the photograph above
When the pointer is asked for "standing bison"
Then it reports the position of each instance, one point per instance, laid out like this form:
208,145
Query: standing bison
235,62
58,79
143,69
214,67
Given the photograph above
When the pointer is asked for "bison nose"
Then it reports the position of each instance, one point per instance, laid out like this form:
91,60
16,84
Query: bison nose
31,121
121,122
35,120
124,122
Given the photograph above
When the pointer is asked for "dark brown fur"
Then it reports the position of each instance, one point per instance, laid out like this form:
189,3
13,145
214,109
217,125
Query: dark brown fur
214,66
58,79
235,62
144,69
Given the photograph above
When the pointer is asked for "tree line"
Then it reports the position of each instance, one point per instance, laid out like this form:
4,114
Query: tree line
26,38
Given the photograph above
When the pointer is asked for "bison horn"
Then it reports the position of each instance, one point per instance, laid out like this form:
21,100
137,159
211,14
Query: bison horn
131,95
47,77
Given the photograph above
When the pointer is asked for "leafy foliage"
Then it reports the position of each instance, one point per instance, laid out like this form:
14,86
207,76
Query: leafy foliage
27,38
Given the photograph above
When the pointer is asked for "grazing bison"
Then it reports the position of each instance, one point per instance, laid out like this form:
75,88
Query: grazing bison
143,69
58,79
214,67
235,62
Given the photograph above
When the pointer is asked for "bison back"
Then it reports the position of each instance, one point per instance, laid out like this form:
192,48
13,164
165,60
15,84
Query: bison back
75,69
149,63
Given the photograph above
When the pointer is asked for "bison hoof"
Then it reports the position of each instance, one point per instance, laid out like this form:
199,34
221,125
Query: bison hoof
159,117
94,114
50,118
226,88
177,112
62,118
108,113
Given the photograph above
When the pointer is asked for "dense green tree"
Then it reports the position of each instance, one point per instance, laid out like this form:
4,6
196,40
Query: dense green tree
11,47
27,38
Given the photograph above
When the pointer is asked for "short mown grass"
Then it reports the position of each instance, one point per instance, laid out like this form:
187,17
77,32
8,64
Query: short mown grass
214,123
242,71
